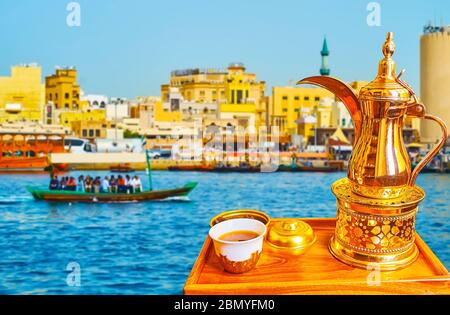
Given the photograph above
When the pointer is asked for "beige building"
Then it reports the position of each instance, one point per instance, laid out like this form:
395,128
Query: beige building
435,78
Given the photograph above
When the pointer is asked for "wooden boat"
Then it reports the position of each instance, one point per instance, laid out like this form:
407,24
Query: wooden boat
121,168
322,169
76,196
237,169
195,168
28,151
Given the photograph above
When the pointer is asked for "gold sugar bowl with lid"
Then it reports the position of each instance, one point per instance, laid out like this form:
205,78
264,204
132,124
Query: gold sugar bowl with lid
293,235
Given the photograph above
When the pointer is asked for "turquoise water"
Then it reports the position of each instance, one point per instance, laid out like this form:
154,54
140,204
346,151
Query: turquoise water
149,248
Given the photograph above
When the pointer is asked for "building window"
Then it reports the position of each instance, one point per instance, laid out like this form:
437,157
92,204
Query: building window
306,98
50,96
296,110
66,96
246,94
343,122
284,110
232,96
296,98
202,93
91,133
56,96
66,105
97,133
84,133
284,97
317,98
239,96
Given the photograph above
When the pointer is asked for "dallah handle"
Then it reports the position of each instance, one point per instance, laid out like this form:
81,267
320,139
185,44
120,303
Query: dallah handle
416,109
434,151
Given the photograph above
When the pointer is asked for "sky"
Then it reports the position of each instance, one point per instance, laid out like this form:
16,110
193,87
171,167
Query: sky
127,48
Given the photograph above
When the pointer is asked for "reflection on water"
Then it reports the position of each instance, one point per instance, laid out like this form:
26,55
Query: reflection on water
149,248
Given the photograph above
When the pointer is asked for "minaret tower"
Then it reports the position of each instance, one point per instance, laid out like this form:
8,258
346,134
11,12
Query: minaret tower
324,69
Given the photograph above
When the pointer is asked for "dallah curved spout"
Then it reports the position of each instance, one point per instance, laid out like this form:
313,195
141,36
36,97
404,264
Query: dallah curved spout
344,92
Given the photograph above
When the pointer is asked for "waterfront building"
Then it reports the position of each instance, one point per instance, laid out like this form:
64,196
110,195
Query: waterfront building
62,89
93,129
94,100
22,94
245,98
290,103
236,93
190,110
117,111
66,118
130,124
435,78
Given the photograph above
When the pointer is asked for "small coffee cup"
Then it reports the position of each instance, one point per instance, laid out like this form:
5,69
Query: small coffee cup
238,243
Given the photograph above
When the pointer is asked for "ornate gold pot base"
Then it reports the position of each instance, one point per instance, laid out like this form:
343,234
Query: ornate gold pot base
375,232
367,261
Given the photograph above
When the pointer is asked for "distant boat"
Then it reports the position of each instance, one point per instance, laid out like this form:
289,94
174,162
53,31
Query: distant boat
22,151
322,169
237,169
121,168
76,196
195,168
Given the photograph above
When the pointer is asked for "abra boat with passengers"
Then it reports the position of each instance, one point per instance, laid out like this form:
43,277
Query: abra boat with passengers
81,196
78,196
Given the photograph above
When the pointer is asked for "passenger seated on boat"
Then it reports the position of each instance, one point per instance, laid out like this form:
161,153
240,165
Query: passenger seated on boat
96,184
113,184
71,184
88,184
105,185
80,186
128,186
62,184
136,184
121,184
54,183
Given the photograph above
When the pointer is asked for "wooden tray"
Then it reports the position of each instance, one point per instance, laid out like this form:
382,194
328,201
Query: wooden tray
316,272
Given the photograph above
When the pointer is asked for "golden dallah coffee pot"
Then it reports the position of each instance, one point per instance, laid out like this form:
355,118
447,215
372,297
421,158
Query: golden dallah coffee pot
378,201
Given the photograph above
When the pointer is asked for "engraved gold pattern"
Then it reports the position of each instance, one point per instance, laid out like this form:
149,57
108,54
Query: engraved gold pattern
375,234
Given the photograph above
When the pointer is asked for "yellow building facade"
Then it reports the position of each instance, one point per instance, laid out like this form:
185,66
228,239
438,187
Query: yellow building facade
237,93
289,103
165,116
66,118
22,95
62,90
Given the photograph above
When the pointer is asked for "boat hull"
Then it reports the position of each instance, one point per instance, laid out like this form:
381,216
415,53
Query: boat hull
320,169
194,168
74,196
24,164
